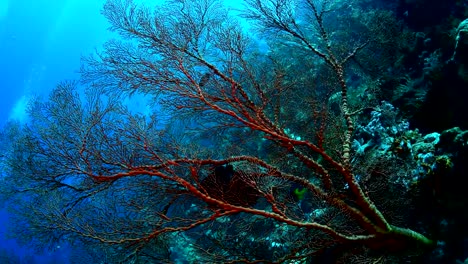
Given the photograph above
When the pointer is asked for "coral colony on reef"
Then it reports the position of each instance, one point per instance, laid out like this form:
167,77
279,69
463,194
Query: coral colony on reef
280,132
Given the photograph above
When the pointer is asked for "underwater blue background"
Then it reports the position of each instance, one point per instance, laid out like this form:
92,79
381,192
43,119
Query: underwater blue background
41,43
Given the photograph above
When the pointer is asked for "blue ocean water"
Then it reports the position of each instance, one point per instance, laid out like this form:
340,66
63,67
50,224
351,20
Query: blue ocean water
41,43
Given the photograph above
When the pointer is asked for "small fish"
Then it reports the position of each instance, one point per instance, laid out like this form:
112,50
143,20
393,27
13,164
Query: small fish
204,79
